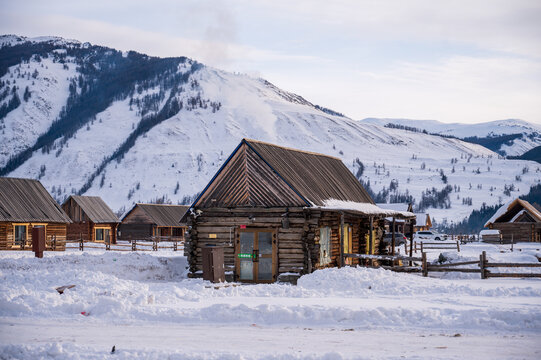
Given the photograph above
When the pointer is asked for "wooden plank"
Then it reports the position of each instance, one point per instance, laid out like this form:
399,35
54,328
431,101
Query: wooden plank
452,269
512,265
514,275
476,262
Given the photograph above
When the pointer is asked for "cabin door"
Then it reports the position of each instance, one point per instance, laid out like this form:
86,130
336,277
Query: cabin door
348,242
256,255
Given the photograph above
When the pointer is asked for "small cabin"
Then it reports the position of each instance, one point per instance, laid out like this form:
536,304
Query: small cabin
279,213
423,222
518,221
147,221
24,205
92,219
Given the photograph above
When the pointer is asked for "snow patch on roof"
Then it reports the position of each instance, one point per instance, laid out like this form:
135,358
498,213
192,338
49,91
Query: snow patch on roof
365,208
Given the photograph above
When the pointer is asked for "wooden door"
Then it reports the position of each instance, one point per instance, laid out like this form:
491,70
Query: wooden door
256,255
347,242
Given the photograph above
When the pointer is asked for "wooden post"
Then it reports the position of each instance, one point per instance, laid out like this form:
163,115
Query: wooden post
422,250
370,238
341,239
425,265
134,245
393,240
81,244
406,248
411,239
482,263
457,246
54,242
175,245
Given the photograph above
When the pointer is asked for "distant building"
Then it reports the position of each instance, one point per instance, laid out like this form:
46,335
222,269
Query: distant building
92,219
145,221
518,220
401,225
422,222
24,205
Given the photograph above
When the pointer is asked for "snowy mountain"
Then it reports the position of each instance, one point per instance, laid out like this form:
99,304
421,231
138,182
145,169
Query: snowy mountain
508,137
133,128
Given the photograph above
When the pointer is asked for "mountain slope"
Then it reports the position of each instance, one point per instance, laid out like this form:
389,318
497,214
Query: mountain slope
507,137
164,132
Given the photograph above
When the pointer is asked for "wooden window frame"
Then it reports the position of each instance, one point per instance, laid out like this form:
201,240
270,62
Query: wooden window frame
325,260
27,225
102,228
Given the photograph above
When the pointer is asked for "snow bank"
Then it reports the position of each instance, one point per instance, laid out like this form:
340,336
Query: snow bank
365,208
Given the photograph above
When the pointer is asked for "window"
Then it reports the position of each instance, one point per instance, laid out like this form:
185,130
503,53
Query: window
178,231
100,234
324,245
20,234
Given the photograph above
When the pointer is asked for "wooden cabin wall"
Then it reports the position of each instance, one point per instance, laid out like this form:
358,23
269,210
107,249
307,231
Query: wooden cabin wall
293,243
4,236
519,232
130,231
76,230
7,236
74,211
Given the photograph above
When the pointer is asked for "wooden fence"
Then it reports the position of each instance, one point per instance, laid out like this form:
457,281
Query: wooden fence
425,267
422,246
153,244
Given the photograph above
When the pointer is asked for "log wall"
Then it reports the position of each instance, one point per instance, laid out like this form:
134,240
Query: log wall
520,232
7,236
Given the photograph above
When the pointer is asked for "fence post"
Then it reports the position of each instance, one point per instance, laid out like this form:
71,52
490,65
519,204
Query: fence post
482,263
154,245
107,246
422,250
457,246
425,265
133,245
175,245
54,243
81,244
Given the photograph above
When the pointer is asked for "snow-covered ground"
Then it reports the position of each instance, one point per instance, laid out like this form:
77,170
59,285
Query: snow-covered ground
144,305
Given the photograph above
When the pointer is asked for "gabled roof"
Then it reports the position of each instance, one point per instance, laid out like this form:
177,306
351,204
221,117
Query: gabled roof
423,219
26,200
509,211
162,215
95,208
263,174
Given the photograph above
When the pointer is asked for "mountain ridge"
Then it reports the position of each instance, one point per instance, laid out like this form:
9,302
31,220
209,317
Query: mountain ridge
163,136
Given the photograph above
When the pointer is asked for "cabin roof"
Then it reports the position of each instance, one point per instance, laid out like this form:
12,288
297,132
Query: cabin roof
95,208
315,177
423,219
268,175
512,210
26,200
161,214
396,206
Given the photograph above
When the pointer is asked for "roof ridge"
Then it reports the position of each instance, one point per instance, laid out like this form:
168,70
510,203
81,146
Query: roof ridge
291,149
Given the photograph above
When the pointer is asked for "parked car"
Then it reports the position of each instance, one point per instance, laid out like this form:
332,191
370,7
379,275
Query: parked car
429,235
399,239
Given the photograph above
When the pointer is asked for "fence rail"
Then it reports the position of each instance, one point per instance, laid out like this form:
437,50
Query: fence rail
422,246
426,267
132,245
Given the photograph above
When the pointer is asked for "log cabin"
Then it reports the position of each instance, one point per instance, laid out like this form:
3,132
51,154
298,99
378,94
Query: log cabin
24,205
92,219
518,221
279,213
423,222
146,221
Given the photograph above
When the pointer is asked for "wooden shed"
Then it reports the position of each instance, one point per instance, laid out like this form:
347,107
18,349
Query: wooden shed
24,205
280,213
92,219
518,221
146,221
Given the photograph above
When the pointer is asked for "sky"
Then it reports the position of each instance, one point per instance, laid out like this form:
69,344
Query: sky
454,61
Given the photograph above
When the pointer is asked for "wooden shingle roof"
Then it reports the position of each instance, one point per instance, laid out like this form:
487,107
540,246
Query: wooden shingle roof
162,215
95,208
26,200
263,174
508,212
